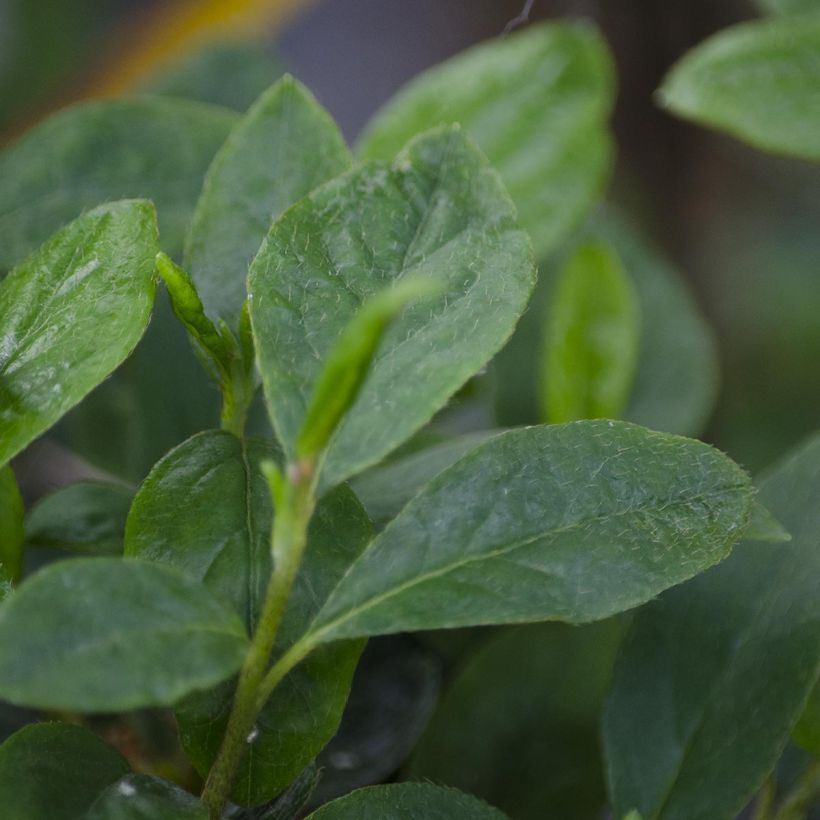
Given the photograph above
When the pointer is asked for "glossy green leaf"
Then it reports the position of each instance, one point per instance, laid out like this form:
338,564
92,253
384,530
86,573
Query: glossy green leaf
536,103
206,509
568,522
677,374
756,81
440,212
143,797
86,517
154,148
91,281
54,771
279,151
407,801
11,525
103,634
714,675
385,489
518,725
591,346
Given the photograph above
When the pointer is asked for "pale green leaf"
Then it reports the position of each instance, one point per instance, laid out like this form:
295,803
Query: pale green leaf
757,81
407,801
279,151
440,212
11,525
103,634
54,771
143,797
714,675
568,522
593,333
536,103
763,526
70,314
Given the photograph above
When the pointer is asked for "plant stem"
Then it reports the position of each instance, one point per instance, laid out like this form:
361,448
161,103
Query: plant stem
288,540
800,799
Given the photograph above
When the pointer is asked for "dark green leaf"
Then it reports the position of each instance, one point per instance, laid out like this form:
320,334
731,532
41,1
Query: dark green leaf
439,211
54,771
519,723
714,675
287,806
87,516
284,147
568,522
807,731
11,525
536,103
142,797
591,347
789,6
91,281
756,81
148,147
206,509
407,801
103,634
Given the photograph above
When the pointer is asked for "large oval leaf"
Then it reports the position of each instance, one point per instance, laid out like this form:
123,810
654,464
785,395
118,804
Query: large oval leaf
568,522
55,771
70,314
714,675
206,509
279,151
154,148
438,211
103,634
407,801
756,81
536,103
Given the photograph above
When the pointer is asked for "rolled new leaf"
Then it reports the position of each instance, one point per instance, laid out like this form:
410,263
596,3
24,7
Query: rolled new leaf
569,522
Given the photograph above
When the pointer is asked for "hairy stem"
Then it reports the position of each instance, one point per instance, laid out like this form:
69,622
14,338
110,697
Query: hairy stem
288,540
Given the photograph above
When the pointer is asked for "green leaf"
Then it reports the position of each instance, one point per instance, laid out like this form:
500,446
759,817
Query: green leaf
714,675
54,771
143,797
536,103
763,526
147,147
676,379
591,348
385,489
79,288
103,635
11,525
789,6
279,151
518,725
756,81
440,212
407,801
806,733
85,517
206,509
569,522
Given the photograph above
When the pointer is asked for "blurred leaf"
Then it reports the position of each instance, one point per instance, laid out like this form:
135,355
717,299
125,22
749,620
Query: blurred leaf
85,517
567,522
407,801
231,74
518,725
756,81
593,333
789,6
278,152
149,147
439,211
763,526
143,797
55,308
54,771
807,731
11,526
103,635
536,103
713,675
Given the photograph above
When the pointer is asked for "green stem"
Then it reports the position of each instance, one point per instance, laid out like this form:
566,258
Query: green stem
288,541
765,802
801,798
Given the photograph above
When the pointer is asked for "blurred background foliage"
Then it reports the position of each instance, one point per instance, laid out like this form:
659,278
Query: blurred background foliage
517,722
